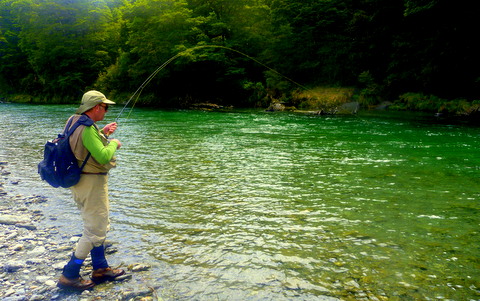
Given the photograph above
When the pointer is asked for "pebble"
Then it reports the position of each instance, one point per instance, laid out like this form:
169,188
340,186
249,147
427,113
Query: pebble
31,258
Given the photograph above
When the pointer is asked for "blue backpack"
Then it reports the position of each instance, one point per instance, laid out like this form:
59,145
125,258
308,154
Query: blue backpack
59,166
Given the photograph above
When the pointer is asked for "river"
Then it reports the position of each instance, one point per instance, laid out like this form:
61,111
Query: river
249,205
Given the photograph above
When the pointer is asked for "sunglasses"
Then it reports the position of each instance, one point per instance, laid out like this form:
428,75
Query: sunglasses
105,107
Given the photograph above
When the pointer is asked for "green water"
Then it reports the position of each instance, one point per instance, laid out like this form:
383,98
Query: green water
251,205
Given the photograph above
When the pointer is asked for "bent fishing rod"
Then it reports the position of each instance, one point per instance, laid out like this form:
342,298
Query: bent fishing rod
137,93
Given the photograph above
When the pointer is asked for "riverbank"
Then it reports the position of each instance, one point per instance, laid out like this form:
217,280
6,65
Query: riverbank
321,100
32,255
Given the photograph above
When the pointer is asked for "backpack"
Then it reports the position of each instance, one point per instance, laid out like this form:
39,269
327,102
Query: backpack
59,166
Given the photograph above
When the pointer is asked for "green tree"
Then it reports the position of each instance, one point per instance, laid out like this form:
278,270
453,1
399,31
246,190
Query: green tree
155,31
13,62
434,51
311,40
66,43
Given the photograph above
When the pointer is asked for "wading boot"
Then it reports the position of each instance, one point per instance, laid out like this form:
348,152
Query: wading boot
78,284
106,274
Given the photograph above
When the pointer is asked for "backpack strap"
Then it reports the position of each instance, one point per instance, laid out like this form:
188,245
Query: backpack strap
83,120
85,161
67,127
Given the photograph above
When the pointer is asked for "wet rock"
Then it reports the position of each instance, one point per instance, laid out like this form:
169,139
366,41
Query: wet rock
13,266
74,239
139,267
349,108
137,293
206,106
27,226
8,219
17,247
276,107
352,284
384,105
123,278
36,298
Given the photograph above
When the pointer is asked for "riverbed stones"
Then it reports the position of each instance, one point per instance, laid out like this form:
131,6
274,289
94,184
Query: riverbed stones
32,257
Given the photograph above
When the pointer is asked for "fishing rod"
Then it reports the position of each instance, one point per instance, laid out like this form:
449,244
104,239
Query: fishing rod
144,84
137,93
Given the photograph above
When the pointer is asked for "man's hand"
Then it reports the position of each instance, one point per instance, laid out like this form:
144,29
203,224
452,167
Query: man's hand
110,128
119,144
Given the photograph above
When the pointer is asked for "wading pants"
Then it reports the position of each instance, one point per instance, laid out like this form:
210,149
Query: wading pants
91,196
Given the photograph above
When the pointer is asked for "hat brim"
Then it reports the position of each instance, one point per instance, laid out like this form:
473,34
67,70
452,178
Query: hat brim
83,108
108,102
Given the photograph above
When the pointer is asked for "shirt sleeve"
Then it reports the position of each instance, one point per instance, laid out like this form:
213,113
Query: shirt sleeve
93,143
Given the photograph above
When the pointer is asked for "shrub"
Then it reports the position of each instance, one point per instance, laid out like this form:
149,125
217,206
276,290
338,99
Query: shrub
322,98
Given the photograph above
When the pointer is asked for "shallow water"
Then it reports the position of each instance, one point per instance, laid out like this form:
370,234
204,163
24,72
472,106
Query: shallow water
249,205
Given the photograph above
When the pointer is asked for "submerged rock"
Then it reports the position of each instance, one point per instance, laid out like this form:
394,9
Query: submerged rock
349,108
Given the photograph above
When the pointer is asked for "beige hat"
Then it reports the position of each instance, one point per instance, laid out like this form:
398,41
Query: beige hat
91,99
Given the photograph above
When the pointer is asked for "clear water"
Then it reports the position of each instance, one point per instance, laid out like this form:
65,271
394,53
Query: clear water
250,205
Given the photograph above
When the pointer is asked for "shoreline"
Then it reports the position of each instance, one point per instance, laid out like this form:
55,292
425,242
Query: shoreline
32,258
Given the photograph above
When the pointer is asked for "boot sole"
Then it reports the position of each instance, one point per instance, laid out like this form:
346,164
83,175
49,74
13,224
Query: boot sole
74,288
105,278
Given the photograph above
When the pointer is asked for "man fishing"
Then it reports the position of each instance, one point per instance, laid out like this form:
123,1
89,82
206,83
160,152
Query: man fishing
91,193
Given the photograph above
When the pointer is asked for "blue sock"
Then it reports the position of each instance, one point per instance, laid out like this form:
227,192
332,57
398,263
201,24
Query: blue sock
98,258
72,269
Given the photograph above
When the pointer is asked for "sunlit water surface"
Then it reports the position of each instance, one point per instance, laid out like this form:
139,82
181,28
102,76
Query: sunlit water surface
250,205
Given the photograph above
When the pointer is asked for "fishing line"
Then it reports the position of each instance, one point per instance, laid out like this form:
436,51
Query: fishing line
137,93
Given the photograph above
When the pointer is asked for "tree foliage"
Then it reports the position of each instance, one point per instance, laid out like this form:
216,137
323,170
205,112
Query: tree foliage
56,49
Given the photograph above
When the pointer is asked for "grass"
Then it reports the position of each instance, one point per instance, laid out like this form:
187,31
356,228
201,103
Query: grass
322,98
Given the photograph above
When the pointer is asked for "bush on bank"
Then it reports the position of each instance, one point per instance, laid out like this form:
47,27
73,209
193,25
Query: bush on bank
432,103
325,98
317,98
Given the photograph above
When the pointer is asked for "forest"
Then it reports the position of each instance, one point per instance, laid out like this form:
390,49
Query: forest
418,54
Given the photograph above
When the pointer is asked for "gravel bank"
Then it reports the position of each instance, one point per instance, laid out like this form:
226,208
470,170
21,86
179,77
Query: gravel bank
32,257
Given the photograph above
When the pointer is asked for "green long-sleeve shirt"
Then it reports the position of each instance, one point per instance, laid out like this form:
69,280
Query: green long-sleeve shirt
95,145
90,139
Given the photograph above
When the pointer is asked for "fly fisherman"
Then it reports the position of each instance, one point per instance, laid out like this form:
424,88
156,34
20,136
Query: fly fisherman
91,193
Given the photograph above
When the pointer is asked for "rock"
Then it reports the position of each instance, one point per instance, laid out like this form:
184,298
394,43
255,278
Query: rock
111,250
276,107
37,251
34,261
349,108
205,106
133,294
9,292
8,219
384,105
13,266
42,279
352,284
139,267
123,278
36,298
17,247
74,239
27,226
11,236
50,283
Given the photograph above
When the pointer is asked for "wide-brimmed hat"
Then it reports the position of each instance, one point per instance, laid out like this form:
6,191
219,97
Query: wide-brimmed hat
91,99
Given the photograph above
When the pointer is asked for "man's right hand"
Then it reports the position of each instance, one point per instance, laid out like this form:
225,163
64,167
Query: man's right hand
119,144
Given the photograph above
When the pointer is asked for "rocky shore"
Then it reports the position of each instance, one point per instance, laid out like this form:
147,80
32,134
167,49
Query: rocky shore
32,258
